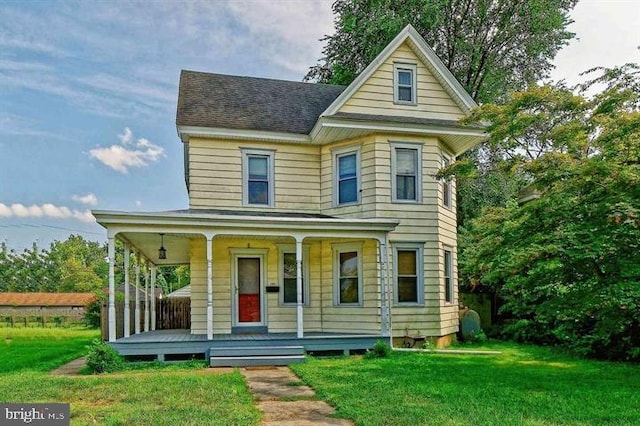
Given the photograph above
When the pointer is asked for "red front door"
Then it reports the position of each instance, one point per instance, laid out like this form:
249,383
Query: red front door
249,290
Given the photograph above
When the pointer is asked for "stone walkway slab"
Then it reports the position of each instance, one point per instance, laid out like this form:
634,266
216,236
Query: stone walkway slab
70,369
299,413
275,383
284,400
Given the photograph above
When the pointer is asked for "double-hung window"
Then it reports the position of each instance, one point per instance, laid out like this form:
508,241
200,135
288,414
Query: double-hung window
289,274
404,87
346,185
406,179
258,178
347,267
408,266
446,185
448,275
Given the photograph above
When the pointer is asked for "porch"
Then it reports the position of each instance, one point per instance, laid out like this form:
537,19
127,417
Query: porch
270,273
180,345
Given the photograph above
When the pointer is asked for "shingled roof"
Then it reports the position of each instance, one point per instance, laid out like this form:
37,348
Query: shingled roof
250,103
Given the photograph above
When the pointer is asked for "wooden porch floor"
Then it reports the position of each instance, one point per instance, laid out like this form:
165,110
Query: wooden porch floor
167,343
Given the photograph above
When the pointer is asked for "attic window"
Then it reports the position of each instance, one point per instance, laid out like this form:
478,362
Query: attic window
404,87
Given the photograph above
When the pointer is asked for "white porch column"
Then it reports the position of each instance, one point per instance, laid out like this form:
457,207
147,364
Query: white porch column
111,313
152,296
389,291
127,310
146,296
299,308
209,286
384,309
136,309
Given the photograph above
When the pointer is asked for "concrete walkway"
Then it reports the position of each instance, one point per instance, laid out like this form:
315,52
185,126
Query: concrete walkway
284,400
70,369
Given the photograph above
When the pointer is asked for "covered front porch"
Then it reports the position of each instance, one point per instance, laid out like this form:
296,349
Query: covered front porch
178,345
311,281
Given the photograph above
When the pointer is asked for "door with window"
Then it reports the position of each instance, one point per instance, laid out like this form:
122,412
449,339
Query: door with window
248,300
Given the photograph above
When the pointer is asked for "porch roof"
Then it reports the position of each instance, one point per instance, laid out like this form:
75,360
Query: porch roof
142,229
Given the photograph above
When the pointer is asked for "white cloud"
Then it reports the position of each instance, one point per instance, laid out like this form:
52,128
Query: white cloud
288,32
45,210
89,199
120,158
126,137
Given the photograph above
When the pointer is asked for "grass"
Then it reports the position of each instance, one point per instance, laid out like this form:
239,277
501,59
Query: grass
42,349
525,385
146,394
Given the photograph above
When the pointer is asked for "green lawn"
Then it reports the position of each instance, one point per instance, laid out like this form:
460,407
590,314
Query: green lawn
523,386
41,349
177,394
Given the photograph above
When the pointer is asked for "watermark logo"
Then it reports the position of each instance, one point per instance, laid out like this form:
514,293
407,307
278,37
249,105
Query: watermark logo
35,414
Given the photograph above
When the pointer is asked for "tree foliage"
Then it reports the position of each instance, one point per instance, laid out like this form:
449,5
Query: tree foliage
491,46
73,265
567,264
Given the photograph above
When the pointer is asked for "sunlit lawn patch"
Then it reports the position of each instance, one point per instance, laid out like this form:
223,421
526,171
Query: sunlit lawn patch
151,394
525,385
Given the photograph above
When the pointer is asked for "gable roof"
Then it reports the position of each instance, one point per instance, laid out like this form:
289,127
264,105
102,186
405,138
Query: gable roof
45,299
428,57
251,103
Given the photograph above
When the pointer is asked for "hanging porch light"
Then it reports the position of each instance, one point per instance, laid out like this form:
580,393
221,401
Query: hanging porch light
162,252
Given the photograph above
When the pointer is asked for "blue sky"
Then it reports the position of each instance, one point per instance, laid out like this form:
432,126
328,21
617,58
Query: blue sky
88,93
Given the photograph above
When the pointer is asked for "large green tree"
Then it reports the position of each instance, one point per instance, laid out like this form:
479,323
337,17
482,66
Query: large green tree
567,263
491,46
74,264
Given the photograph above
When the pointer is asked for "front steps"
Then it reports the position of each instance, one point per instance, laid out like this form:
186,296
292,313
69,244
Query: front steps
255,356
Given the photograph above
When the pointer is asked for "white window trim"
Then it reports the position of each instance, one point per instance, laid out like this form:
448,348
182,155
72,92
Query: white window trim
341,248
449,249
398,66
394,194
419,248
291,248
446,184
246,153
337,153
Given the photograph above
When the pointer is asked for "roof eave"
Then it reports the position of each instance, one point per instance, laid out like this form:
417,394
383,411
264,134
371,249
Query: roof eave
186,132
471,135
108,218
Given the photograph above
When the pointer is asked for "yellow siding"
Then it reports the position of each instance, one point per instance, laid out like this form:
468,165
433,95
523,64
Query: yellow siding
304,180
215,175
319,315
375,96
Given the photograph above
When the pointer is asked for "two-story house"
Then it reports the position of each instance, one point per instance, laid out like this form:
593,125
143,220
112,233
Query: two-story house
314,217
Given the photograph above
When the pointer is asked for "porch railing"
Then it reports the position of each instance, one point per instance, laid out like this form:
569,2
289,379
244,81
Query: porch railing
171,313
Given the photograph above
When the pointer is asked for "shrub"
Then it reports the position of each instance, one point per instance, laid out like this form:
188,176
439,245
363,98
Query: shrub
477,337
380,350
102,358
92,311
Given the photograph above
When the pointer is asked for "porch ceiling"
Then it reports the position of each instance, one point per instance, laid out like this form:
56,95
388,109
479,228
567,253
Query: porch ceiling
177,246
142,230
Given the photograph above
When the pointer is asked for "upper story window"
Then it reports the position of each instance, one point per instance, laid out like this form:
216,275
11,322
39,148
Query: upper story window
346,185
406,172
446,185
408,276
257,178
404,85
